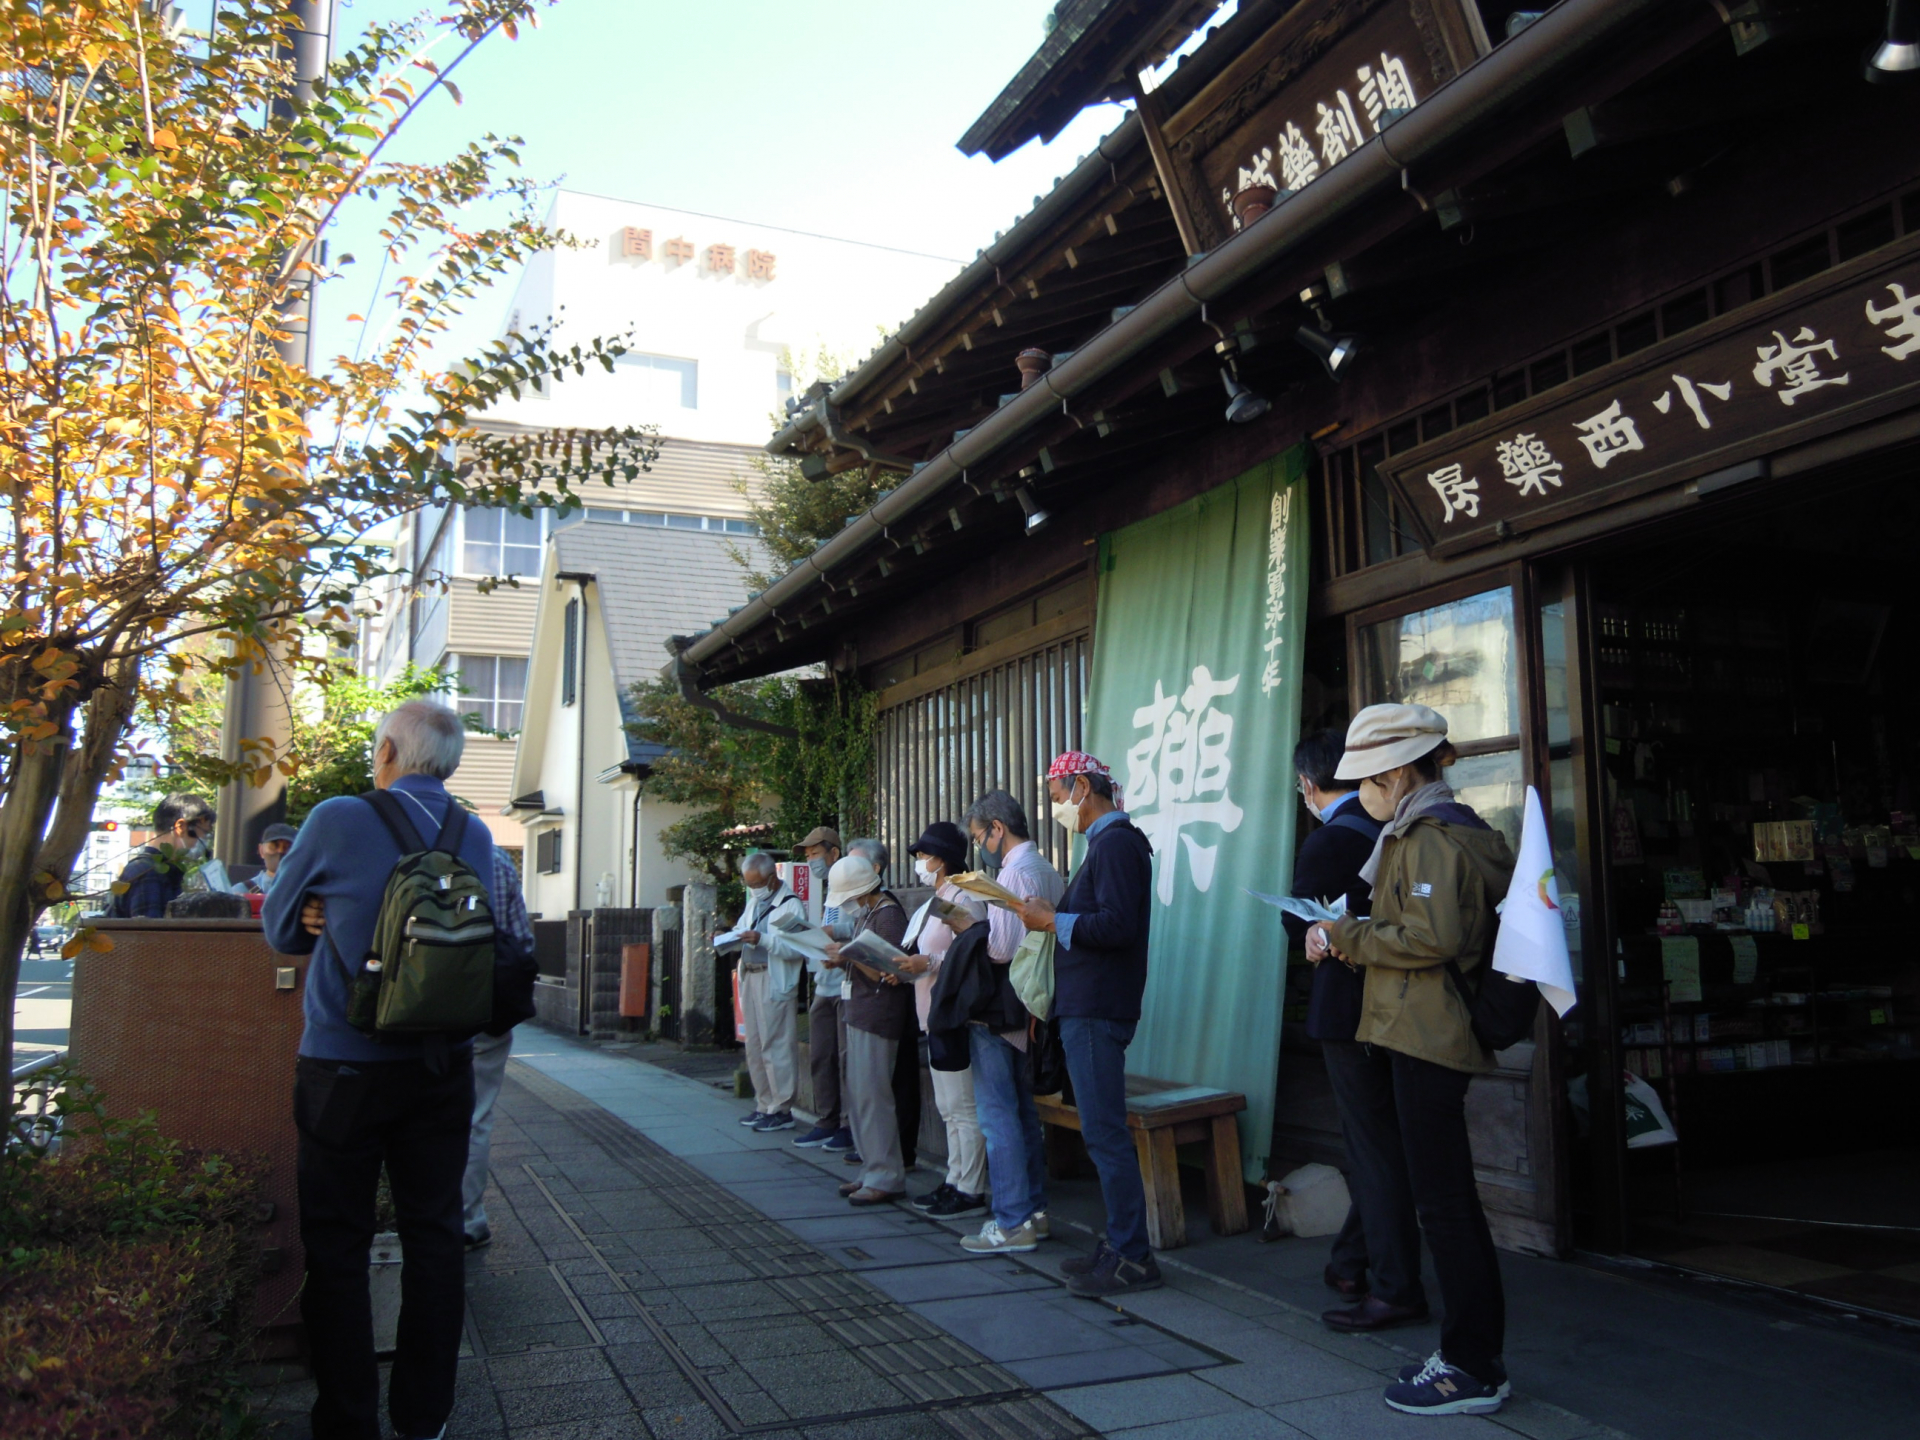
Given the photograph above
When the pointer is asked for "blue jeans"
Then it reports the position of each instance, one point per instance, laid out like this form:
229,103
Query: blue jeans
1097,1062
1016,1146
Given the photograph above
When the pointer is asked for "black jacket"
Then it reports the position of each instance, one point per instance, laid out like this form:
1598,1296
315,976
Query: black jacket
1329,865
1111,897
969,987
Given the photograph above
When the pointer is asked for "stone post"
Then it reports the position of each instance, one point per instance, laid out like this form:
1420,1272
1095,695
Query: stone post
697,929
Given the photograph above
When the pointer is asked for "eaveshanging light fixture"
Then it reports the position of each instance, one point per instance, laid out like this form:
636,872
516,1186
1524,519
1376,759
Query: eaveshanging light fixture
1334,350
1242,404
1896,59
1037,518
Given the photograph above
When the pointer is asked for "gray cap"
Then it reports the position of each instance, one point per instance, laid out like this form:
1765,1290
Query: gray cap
289,833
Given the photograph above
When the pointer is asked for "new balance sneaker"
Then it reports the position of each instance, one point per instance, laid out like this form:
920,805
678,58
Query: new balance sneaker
814,1138
958,1205
1114,1274
752,1119
932,1197
1437,1388
992,1240
770,1123
841,1141
1085,1264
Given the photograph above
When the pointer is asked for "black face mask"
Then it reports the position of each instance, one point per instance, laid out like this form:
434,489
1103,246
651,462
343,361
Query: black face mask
989,861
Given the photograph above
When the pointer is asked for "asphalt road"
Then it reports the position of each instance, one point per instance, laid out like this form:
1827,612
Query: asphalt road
42,1007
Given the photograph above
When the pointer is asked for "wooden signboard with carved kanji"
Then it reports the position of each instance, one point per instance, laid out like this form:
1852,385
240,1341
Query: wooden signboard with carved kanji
1818,357
1323,81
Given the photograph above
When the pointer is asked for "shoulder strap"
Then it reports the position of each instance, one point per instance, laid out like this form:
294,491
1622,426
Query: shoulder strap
453,830
1347,820
390,810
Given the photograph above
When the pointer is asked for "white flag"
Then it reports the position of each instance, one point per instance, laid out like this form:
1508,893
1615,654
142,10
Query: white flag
1533,931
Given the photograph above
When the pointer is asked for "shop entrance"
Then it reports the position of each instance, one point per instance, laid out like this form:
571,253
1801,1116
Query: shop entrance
1753,830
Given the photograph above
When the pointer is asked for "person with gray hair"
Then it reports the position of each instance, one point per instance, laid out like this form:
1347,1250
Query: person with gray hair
362,1102
769,973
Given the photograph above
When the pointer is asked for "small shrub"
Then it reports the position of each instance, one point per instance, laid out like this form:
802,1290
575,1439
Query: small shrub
126,1276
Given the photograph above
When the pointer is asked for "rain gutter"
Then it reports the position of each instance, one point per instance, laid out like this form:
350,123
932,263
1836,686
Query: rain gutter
1529,61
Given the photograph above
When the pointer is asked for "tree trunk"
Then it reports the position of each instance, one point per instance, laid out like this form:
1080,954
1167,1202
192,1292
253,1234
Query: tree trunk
31,788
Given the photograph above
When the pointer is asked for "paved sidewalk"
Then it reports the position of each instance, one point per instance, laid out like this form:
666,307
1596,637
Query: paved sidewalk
660,1271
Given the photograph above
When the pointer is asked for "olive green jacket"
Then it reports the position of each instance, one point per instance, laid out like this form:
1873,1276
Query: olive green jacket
1432,902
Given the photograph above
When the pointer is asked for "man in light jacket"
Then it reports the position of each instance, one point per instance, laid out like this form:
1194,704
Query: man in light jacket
769,993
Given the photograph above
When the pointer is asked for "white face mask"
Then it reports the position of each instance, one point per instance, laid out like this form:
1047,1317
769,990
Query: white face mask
1067,815
924,872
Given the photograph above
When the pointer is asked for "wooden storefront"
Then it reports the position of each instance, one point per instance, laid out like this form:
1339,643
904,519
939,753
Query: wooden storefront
1632,288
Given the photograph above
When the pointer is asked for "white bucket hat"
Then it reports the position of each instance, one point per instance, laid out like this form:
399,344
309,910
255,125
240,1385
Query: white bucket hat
1385,737
851,877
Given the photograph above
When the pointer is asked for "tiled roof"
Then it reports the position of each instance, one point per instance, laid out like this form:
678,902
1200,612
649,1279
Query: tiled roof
653,584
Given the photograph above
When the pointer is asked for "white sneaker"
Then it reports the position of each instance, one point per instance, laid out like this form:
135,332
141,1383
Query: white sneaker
1038,1222
992,1240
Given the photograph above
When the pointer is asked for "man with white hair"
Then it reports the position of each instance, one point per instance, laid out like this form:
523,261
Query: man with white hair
361,1102
769,976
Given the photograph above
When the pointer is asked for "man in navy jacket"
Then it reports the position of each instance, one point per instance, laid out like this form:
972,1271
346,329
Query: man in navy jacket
1099,975
359,1102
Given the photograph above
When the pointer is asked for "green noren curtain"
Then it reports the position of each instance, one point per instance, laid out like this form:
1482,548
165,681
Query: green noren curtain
1195,705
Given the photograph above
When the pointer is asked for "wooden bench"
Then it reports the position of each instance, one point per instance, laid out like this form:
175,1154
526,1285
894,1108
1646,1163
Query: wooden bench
1161,1116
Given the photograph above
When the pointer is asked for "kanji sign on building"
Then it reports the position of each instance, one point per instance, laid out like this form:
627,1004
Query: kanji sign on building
1819,356
1309,94
717,258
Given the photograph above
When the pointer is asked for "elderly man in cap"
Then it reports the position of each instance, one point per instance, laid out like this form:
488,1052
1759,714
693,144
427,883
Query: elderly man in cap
275,841
826,1014
1099,976
769,993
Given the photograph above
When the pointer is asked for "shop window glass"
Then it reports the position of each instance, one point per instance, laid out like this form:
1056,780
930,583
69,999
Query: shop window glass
1866,232
1800,262
1492,786
1593,352
1458,658
664,383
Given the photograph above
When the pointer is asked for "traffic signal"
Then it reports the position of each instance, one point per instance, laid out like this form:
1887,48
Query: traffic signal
106,825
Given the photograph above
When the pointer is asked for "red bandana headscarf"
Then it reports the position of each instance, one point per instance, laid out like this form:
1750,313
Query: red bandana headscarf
1078,762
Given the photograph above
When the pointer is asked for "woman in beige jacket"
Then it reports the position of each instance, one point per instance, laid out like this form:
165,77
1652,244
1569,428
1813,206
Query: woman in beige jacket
1438,872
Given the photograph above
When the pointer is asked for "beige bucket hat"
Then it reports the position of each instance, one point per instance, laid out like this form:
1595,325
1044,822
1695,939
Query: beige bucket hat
1384,737
849,879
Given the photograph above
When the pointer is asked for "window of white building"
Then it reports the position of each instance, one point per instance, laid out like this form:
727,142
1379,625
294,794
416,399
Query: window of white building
495,690
501,542
664,382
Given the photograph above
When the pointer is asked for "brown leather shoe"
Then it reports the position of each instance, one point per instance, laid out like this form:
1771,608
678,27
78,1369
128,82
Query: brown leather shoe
1352,1289
1373,1313
849,1188
875,1197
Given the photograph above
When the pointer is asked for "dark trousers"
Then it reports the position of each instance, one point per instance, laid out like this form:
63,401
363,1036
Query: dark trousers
1097,1064
1431,1101
906,1092
352,1118
1382,1233
826,1024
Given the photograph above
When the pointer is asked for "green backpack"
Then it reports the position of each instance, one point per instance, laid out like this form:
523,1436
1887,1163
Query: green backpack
429,968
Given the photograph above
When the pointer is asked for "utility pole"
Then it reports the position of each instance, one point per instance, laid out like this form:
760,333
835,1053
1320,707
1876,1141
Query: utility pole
259,701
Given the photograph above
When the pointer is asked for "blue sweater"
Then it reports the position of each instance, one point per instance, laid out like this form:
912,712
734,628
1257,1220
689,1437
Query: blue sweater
1100,963
344,855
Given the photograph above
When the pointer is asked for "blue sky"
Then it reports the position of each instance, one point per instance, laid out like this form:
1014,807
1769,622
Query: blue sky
834,116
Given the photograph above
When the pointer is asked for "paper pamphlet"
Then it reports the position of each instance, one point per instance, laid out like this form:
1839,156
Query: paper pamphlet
727,938
1680,963
917,923
876,953
1311,911
1746,960
975,882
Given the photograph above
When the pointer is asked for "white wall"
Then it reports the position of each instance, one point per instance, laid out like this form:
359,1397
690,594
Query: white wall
733,324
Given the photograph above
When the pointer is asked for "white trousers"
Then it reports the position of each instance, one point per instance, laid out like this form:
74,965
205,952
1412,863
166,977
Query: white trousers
966,1149
489,1069
772,1047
